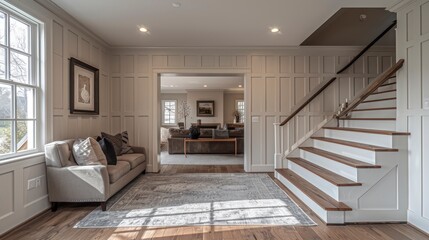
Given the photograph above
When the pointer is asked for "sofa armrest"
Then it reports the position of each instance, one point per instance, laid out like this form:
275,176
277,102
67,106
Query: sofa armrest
141,150
78,183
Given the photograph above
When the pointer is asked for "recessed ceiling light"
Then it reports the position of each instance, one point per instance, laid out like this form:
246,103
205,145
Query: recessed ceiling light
205,86
143,29
275,30
240,85
171,85
176,4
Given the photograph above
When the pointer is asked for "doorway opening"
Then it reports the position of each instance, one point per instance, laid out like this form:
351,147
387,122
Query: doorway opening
202,119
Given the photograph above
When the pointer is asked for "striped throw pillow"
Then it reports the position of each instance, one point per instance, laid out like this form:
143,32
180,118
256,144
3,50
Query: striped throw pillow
126,148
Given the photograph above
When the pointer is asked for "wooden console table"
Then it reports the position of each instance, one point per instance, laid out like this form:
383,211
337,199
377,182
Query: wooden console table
186,140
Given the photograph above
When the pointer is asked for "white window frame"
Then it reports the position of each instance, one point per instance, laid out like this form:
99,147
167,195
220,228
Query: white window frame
163,113
243,113
35,73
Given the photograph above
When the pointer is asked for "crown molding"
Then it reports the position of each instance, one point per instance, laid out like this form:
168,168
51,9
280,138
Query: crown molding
66,17
400,5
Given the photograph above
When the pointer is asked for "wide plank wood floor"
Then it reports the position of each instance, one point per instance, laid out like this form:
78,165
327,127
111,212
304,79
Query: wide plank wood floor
59,225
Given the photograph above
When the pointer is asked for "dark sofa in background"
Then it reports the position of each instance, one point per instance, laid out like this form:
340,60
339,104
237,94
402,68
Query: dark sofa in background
175,142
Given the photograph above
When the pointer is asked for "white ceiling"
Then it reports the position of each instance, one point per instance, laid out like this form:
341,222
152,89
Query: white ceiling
171,83
207,23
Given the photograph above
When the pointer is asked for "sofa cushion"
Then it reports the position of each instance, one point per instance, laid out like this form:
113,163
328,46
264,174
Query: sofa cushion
126,148
237,133
83,152
117,171
108,150
175,132
134,159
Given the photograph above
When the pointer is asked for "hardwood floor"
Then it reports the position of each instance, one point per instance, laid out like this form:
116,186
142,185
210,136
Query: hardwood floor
59,225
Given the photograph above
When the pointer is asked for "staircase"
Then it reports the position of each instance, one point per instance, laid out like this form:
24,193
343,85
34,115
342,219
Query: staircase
354,168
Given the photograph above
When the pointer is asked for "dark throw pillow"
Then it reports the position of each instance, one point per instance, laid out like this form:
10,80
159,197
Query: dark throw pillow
115,140
108,150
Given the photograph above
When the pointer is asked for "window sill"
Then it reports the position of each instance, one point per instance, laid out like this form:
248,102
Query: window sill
21,158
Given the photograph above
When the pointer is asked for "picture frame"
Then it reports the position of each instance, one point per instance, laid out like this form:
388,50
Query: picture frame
205,108
84,88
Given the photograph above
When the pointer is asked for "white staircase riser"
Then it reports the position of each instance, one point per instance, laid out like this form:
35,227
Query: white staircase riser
325,186
370,124
386,88
361,137
377,104
337,167
365,216
329,217
381,96
347,151
390,113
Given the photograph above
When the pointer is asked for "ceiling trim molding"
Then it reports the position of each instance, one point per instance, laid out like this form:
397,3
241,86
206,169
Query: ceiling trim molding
65,16
400,5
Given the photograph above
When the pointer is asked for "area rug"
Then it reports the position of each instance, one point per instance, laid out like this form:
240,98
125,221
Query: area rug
202,159
198,199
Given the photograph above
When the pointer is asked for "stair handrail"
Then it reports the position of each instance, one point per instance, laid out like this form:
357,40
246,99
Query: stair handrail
372,87
315,92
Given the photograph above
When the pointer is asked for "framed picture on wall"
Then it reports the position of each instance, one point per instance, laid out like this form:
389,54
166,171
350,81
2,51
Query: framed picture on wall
84,91
205,108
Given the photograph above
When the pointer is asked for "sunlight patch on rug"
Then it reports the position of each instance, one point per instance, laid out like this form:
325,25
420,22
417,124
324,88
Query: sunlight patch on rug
199,199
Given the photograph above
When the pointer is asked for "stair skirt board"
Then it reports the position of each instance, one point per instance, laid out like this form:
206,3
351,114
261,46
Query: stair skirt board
329,217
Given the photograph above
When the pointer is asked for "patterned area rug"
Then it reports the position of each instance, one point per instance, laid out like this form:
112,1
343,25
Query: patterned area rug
198,199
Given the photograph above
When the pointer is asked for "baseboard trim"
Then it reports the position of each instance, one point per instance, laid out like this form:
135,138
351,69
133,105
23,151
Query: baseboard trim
418,222
262,168
25,222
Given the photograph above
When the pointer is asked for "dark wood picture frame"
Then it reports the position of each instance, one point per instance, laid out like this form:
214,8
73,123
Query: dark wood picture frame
84,88
205,108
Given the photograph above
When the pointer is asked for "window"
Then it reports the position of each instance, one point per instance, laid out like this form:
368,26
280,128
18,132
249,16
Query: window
19,84
239,106
169,112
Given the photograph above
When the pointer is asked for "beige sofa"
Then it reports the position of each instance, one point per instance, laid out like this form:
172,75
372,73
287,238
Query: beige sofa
69,182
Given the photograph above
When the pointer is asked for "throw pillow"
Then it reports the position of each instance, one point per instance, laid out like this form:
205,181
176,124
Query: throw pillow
116,140
108,150
220,133
126,148
98,151
83,152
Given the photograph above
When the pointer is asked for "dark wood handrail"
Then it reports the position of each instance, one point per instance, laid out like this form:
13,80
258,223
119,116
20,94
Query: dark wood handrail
326,84
373,86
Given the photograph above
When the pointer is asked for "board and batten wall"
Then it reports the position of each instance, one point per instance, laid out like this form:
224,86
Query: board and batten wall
62,40
275,79
413,103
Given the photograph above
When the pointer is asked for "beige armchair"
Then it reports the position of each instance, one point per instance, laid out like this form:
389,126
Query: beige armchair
69,182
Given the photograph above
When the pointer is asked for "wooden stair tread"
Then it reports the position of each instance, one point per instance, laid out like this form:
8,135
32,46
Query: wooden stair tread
322,199
370,119
375,93
339,158
379,100
329,176
373,109
356,144
364,130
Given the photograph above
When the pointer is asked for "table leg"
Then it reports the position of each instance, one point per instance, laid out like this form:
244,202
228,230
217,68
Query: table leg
184,147
235,147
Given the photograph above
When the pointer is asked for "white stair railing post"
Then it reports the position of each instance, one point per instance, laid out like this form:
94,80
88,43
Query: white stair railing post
277,147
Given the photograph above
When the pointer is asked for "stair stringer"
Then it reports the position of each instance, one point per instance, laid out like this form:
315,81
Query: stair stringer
371,179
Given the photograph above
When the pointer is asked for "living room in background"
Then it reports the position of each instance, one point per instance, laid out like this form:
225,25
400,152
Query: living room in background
20,125
209,101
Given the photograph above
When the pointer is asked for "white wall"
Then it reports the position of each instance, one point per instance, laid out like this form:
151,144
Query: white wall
413,91
229,105
63,40
201,95
274,81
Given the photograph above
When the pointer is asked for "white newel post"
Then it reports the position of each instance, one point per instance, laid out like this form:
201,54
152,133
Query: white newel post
277,148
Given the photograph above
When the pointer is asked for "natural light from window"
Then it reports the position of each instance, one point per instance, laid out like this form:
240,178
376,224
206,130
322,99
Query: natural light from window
18,83
169,112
